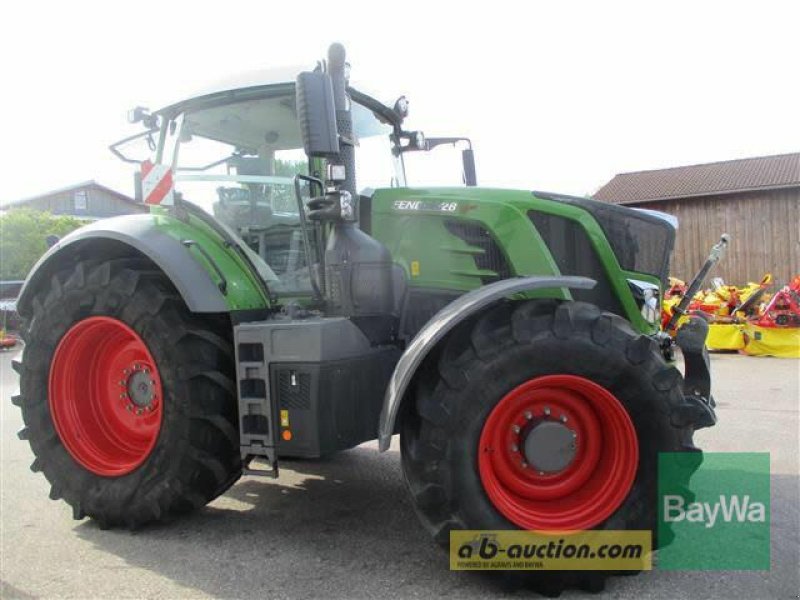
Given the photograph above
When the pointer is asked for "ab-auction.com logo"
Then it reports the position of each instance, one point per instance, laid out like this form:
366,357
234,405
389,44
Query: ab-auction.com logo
715,518
528,550
486,547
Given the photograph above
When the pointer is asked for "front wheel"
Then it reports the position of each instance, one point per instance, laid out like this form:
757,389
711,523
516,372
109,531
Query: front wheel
127,397
542,416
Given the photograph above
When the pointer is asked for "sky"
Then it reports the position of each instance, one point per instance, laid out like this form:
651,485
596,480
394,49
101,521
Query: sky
556,96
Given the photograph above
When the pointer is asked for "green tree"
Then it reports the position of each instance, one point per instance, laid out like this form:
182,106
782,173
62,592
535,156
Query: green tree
23,235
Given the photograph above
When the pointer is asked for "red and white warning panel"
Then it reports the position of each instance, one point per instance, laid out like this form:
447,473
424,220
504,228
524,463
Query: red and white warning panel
157,184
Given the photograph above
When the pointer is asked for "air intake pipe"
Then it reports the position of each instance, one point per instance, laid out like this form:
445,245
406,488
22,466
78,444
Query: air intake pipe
337,69
359,271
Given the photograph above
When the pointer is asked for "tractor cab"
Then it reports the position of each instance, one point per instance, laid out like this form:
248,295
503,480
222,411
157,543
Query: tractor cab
237,152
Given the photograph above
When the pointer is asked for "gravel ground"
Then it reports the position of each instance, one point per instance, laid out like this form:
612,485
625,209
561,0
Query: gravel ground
344,527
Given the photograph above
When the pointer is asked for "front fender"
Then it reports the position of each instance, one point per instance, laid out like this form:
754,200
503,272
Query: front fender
159,238
443,322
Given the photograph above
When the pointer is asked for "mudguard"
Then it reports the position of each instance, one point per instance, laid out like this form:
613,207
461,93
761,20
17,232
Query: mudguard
209,279
443,322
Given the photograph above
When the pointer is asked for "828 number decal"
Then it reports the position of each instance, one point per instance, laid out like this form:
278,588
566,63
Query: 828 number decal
425,205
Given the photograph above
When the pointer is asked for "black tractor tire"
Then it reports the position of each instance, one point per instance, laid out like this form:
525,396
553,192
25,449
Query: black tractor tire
195,452
487,357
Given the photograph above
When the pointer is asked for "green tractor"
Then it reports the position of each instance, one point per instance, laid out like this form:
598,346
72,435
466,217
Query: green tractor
268,308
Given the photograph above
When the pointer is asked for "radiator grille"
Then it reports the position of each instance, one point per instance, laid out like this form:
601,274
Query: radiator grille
492,258
642,241
574,254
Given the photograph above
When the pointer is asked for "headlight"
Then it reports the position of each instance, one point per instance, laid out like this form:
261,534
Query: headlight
650,309
648,298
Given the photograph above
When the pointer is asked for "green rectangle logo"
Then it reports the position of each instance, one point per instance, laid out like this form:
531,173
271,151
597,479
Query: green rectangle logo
723,522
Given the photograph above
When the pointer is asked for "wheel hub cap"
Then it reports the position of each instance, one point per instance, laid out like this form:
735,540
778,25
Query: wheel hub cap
141,387
550,446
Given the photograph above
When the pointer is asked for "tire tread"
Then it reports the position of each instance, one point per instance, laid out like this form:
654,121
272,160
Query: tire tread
431,430
188,472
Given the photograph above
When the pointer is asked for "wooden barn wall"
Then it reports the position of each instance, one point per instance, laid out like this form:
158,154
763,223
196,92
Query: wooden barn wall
764,229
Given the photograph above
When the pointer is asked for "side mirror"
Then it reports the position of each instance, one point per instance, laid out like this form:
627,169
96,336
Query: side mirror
468,164
317,115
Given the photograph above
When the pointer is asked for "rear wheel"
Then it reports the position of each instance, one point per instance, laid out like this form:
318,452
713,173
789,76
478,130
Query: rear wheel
543,416
127,397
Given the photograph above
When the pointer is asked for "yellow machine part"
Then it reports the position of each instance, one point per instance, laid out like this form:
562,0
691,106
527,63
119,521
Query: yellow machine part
725,336
772,341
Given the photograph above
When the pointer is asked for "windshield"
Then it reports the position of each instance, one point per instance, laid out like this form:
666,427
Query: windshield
238,161
438,167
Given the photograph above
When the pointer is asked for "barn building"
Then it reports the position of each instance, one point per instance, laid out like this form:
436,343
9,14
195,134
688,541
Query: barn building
755,200
87,200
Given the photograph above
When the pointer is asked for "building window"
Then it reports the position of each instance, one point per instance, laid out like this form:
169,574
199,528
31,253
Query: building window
81,200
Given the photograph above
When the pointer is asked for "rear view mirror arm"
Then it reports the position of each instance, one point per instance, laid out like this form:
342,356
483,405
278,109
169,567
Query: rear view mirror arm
114,147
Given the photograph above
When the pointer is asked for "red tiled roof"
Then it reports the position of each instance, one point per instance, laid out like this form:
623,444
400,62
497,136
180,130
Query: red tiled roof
727,177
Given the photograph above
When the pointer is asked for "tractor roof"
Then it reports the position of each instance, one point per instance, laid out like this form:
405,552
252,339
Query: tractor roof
256,80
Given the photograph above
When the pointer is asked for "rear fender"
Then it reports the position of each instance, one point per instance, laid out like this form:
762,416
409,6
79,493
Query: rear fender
197,270
443,322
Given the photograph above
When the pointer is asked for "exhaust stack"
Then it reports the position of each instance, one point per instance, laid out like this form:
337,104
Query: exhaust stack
337,69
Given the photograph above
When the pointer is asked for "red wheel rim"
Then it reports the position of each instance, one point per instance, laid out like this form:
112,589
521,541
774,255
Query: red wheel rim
604,454
105,396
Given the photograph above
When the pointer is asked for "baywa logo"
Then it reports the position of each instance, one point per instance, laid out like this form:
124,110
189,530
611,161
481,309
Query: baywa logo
717,517
728,508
